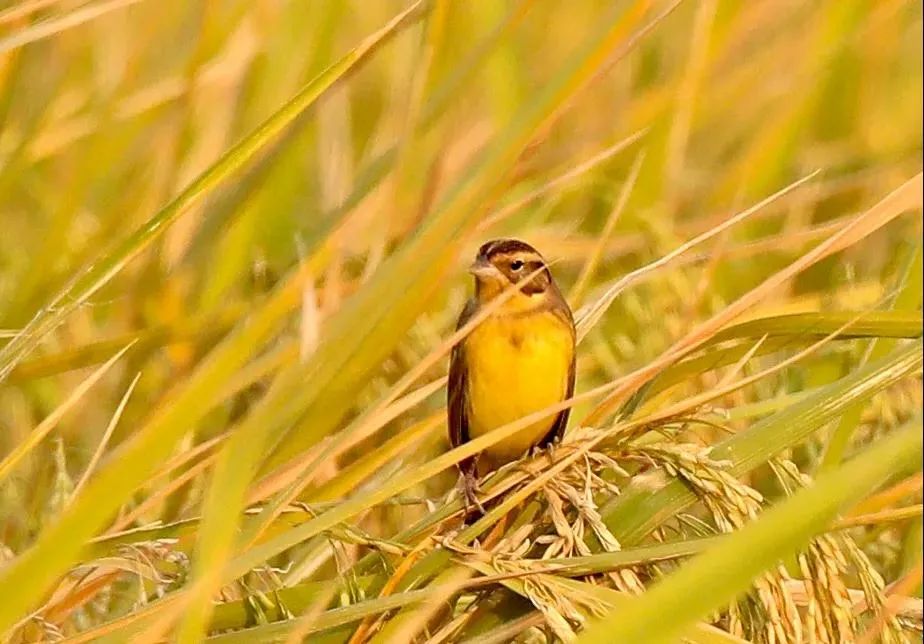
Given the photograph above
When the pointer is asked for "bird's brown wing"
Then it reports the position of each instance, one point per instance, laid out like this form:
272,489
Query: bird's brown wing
456,402
558,429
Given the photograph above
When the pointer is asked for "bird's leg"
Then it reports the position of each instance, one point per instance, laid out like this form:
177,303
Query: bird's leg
550,452
470,487
545,448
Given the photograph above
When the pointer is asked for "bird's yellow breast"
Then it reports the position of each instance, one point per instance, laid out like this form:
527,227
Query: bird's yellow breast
516,365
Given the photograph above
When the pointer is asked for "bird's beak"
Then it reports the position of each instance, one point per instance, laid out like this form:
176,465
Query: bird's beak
482,269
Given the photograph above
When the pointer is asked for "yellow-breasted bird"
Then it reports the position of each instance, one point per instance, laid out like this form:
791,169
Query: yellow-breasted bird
514,363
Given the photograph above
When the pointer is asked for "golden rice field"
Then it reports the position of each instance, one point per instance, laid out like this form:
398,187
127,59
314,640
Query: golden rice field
233,241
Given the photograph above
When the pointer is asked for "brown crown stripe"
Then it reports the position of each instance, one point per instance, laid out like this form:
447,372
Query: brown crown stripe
505,247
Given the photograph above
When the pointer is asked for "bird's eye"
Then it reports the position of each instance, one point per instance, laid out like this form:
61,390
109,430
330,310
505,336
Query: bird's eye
516,265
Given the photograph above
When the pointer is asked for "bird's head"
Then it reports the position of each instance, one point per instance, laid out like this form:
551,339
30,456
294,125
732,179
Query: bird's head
501,263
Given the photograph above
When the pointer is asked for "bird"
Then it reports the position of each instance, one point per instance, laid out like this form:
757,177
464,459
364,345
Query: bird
517,361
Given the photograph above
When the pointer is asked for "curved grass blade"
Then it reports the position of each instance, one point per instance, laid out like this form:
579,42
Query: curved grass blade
786,332
638,511
875,324
905,198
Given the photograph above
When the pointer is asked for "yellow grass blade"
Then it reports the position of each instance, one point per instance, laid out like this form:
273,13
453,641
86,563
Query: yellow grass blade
35,437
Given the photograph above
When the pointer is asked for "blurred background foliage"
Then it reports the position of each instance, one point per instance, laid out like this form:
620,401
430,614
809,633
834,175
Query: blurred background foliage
283,298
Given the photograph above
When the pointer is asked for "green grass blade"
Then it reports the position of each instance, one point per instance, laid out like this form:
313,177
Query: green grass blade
99,272
720,574
60,544
143,342
905,301
638,511
861,324
789,332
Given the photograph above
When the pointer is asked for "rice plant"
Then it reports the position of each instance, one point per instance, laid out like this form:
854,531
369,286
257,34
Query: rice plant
233,254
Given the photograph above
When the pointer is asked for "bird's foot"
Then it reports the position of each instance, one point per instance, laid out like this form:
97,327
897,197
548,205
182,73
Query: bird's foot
470,490
537,452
